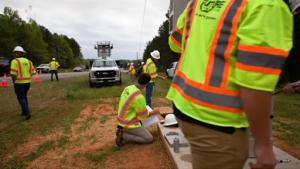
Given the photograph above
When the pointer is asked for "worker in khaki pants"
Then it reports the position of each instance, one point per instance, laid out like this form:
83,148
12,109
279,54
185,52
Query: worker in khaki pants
132,109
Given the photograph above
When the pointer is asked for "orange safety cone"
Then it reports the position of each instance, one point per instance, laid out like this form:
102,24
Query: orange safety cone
4,82
36,78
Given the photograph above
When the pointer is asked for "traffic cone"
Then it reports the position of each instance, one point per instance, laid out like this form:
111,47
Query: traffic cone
36,78
4,82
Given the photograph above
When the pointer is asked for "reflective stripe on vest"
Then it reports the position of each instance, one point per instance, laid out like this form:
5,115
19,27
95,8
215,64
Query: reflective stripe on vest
23,71
20,69
223,100
176,37
218,66
188,24
128,122
190,13
125,107
261,59
148,64
142,113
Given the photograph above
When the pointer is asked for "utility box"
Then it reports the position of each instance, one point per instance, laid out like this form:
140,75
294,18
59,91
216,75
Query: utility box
175,9
104,49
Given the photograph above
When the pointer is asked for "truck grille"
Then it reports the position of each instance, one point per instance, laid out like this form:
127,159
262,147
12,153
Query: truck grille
101,74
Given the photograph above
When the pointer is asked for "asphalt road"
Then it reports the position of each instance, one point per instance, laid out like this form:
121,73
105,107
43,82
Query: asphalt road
46,76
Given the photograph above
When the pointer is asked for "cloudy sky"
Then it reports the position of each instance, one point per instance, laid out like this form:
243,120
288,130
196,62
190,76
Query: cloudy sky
89,21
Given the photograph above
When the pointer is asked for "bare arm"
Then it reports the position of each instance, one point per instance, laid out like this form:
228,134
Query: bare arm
14,77
257,105
291,88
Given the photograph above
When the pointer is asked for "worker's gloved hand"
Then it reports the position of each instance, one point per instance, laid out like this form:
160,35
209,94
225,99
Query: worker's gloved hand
265,158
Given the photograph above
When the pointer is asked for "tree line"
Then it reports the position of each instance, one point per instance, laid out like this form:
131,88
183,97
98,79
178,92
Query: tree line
40,44
160,43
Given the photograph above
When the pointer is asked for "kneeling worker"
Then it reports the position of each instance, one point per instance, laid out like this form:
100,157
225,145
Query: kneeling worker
132,109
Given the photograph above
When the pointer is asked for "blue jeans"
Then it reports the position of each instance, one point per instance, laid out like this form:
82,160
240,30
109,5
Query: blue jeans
149,91
21,91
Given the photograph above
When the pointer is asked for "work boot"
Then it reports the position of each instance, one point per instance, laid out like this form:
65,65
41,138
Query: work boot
119,138
27,117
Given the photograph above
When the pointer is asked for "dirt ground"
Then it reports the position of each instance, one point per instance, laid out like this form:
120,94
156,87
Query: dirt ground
90,143
292,150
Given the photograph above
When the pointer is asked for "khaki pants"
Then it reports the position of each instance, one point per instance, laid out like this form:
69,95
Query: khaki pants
137,135
213,149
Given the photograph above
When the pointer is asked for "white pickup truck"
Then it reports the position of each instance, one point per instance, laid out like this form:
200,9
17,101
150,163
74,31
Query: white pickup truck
104,71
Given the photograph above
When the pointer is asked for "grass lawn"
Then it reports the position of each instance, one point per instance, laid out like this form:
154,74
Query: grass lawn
56,105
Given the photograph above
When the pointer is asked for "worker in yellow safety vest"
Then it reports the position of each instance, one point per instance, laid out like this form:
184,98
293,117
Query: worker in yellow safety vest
131,71
232,52
132,109
54,65
151,68
21,70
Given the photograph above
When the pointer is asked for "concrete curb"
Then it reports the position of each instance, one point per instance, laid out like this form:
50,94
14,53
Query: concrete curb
182,160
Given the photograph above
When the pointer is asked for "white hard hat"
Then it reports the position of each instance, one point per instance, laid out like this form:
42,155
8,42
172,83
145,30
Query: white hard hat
19,49
131,63
142,63
53,58
294,4
155,54
170,120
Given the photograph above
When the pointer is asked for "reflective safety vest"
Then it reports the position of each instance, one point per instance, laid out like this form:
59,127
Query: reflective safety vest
53,65
150,68
131,70
23,69
224,45
132,108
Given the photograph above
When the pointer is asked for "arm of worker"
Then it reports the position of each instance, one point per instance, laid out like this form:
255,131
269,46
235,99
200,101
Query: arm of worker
161,77
155,111
176,37
140,106
291,87
32,69
257,69
258,113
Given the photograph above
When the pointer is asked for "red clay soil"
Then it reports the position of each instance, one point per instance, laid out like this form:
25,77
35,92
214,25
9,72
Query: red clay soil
91,133
292,150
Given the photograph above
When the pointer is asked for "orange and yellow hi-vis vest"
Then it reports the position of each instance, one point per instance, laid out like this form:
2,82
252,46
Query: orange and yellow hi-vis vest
132,108
225,45
23,69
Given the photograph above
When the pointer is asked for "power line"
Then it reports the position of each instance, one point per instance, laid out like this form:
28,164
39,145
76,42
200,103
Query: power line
142,26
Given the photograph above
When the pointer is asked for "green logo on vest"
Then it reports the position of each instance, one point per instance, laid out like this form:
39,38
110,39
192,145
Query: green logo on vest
209,5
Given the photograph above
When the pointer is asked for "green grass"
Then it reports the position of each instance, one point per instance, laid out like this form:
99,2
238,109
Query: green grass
104,118
100,155
54,106
20,162
287,117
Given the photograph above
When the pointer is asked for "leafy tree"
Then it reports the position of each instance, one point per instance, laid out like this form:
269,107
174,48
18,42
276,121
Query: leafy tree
41,45
160,43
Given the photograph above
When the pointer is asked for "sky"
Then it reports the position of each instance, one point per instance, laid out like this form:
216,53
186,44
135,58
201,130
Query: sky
89,21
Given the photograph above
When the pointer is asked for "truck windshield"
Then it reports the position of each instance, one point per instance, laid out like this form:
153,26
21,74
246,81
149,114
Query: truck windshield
104,63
